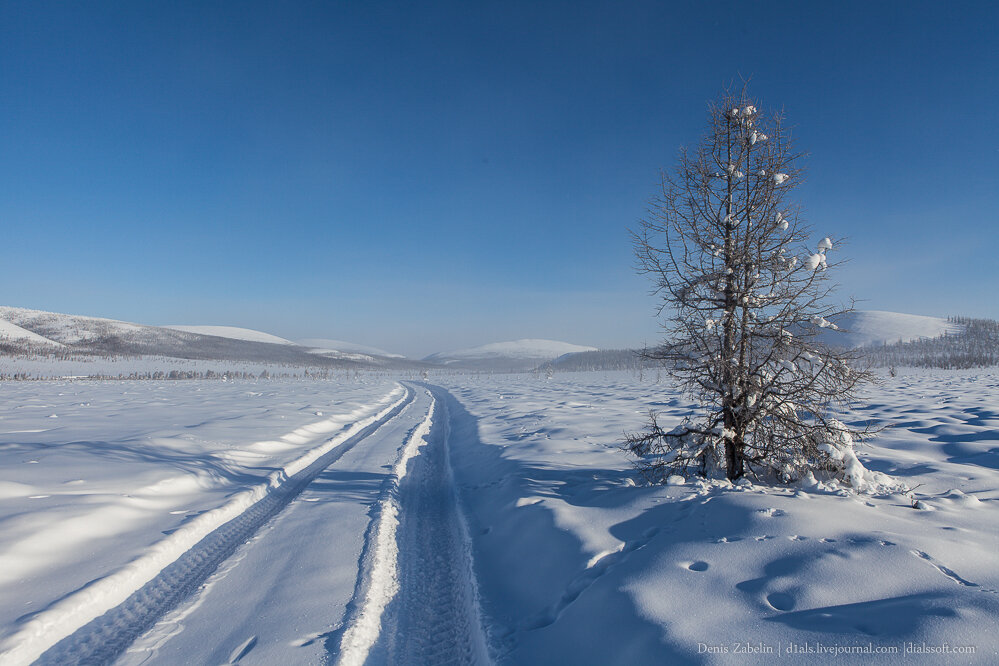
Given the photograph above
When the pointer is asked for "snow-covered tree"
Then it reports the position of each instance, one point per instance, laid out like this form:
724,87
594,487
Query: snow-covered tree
743,290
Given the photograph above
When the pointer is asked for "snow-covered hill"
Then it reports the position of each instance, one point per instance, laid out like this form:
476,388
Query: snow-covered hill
13,333
234,333
866,328
326,346
27,333
514,355
67,329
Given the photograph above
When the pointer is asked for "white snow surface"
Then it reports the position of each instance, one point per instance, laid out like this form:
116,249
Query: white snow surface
233,333
864,328
579,562
575,559
95,473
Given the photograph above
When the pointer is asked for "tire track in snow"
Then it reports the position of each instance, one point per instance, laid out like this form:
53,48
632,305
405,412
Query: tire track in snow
156,582
428,601
379,581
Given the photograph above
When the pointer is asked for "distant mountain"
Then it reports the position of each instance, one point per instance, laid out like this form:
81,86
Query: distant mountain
601,359
234,333
25,332
868,328
974,345
512,356
324,346
886,338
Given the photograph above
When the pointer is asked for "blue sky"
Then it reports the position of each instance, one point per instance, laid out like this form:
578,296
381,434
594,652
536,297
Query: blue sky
424,176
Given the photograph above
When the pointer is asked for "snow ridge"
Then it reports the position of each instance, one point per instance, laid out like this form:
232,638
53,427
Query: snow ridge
363,631
156,581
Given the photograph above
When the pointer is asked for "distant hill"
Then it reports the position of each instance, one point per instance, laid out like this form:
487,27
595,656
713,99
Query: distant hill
975,344
234,333
869,328
25,332
883,338
512,356
324,346
13,333
600,359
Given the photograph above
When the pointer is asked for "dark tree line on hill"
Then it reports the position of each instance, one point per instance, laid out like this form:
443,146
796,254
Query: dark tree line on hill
976,346
602,359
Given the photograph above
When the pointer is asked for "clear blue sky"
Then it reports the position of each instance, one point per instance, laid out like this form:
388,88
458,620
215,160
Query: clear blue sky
424,176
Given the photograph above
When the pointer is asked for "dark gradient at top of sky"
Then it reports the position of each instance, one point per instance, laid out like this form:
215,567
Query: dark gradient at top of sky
423,176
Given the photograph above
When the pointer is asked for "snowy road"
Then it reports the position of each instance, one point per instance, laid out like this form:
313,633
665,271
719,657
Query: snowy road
434,618
363,555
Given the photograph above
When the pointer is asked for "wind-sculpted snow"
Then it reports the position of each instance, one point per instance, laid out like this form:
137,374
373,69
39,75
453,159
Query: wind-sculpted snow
579,562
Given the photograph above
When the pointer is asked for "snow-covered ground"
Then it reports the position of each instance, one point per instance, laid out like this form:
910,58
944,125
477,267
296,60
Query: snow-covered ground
472,519
579,563
99,475
41,367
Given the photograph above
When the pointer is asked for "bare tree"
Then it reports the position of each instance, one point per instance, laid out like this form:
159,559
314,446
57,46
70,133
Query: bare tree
742,300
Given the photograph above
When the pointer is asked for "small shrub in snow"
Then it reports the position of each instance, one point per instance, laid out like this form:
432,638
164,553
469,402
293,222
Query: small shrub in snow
836,454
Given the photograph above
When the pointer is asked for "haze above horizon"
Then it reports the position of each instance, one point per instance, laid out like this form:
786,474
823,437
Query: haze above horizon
420,178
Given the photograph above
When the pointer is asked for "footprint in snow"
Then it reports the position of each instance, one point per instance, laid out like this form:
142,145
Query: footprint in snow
781,601
698,566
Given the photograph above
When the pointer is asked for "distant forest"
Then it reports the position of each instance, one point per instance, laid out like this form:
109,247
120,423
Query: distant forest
976,346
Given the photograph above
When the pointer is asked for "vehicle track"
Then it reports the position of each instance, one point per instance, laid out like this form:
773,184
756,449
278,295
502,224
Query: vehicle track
105,638
434,617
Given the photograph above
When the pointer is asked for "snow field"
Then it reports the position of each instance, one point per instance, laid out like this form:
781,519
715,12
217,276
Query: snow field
579,562
495,519
284,595
34,634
